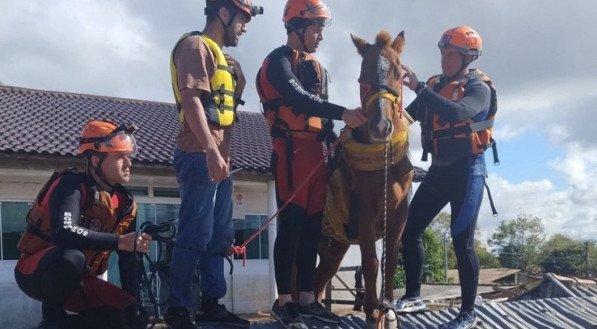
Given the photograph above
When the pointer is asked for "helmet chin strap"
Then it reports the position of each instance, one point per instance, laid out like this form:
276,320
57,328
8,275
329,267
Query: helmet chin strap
301,34
462,66
97,174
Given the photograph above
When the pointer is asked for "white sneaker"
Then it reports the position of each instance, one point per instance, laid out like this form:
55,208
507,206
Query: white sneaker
409,304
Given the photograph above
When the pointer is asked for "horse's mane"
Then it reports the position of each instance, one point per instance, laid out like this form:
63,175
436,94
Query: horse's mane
383,39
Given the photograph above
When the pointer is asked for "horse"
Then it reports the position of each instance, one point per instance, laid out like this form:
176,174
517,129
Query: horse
373,156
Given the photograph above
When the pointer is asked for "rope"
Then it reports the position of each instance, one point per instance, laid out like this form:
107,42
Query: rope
385,223
385,305
242,249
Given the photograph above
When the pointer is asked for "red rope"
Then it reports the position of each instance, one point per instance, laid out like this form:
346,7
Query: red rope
242,249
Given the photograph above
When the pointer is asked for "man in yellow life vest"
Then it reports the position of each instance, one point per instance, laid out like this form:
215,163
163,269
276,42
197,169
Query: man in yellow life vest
76,221
208,86
456,111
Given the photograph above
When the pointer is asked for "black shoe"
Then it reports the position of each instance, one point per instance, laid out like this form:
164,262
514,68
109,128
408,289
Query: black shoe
178,318
220,316
318,311
46,325
288,316
464,320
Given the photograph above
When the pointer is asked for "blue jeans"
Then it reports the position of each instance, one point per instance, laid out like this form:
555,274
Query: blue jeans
205,230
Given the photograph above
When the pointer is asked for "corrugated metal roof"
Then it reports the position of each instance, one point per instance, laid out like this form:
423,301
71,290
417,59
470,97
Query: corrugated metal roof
571,312
554,313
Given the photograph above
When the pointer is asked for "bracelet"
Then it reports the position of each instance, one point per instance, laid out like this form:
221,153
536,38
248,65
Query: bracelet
420,87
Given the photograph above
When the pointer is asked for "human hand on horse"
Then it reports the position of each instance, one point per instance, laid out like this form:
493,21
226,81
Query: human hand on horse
353,117
134,243
409,78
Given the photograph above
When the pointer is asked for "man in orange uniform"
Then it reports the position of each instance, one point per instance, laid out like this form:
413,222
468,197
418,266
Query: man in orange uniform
292,86
456,111
76,221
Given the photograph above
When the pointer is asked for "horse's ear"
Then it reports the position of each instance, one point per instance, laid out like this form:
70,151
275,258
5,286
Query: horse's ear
359,43
398,43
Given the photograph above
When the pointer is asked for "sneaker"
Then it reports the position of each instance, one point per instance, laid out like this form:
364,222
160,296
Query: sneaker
178,318
220,316
288,316
409,304
464,320
318,311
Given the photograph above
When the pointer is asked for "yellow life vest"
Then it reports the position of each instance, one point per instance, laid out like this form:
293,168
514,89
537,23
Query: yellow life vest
219,105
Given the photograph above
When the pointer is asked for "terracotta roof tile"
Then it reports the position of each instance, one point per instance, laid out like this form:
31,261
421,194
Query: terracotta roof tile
45,122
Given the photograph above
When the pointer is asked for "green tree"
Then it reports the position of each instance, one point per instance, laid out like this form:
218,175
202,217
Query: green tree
486,258
441,225
517,241
435,239
564,255
434,263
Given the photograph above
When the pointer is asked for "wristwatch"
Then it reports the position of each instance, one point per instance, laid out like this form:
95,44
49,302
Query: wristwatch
420,86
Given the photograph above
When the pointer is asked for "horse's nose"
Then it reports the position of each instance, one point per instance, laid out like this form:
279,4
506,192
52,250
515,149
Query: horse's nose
384,127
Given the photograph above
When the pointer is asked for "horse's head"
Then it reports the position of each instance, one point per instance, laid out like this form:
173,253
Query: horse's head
381,87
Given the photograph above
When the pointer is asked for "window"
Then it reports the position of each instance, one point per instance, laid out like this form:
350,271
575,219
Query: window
244,229
12,219
138,190
166,192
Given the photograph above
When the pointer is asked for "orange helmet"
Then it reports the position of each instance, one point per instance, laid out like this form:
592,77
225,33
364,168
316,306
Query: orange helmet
246,6
107,137
307,10
462,38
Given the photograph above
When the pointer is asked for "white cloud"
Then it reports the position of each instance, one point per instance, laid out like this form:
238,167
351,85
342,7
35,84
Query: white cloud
81,46
570,210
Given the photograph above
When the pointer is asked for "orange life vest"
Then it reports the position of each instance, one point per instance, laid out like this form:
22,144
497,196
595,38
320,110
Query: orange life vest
282,118
97,213
463,137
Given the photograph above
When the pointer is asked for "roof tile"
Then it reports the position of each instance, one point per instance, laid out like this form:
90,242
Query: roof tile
46,122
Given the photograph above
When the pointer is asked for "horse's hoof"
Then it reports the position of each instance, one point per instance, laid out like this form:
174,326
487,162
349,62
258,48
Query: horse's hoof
391,321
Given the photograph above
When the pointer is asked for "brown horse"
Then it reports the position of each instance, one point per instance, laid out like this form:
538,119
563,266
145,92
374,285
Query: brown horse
373,157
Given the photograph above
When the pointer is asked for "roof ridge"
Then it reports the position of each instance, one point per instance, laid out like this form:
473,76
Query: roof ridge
92,96
79,95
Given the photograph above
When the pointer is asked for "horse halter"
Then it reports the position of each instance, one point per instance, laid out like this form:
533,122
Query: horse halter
385,91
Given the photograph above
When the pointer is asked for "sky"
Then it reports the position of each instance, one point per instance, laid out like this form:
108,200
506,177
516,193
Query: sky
541,55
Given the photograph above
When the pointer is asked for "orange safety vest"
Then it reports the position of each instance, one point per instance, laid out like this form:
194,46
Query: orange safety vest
97,213
463,137
282,118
